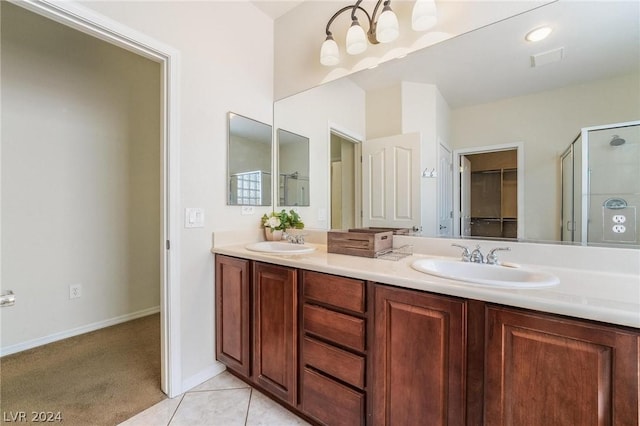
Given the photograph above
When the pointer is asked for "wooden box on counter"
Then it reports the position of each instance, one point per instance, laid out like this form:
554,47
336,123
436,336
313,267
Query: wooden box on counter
360,242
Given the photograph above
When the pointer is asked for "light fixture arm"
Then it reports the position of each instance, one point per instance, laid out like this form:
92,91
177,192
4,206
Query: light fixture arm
383,28
371,33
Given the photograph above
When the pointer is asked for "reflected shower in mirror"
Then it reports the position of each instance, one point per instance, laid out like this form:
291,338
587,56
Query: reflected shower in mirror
293,169
481,89
601,186
248,162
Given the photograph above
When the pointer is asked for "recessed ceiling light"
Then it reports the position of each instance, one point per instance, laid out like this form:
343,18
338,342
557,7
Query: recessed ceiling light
538,34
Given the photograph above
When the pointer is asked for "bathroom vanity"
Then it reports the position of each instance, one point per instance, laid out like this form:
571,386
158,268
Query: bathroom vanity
343,340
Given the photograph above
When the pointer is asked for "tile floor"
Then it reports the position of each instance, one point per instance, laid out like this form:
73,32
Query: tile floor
222,400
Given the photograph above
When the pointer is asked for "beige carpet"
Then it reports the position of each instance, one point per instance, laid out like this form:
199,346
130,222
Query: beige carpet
99,378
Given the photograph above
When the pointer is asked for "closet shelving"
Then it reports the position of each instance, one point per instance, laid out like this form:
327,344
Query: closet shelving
494,195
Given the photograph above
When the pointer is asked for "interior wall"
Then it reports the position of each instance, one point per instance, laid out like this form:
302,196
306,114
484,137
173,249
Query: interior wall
80,179
547,122
413,107
339,105
223,67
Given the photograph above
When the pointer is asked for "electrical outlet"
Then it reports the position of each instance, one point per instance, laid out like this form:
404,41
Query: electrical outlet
619,229
619,218
75,291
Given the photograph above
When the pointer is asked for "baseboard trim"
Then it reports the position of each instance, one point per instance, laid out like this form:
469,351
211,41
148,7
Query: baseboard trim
202,376
29,344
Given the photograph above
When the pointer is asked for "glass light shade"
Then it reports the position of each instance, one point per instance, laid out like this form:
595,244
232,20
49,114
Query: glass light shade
424,15
329,53
387,28
356,39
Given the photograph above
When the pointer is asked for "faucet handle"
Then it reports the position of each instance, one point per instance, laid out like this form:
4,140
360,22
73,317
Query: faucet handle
466,253
492,257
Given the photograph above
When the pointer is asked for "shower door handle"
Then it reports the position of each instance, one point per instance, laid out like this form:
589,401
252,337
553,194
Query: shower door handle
7,298
569,227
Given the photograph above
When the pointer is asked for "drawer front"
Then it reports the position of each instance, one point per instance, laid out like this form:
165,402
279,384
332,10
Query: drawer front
335,362
342,329
330,402
345,293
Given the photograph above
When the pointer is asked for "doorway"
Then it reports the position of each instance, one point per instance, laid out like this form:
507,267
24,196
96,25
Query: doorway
489,192
345,187
88,22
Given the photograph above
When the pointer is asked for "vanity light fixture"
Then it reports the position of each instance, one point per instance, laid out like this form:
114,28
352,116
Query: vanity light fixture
538,34
383,30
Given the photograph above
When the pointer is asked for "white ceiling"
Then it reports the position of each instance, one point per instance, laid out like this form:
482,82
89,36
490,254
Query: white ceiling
599,39
275,9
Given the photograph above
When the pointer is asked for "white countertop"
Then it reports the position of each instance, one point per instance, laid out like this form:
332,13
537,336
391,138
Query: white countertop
601,296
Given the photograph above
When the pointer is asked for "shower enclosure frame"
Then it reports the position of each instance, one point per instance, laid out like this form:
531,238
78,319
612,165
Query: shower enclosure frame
585,179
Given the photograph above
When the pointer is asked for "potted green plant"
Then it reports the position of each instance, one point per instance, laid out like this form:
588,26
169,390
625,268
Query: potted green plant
275,224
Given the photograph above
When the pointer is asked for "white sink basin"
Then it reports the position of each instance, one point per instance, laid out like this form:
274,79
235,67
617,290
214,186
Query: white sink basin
280,247
488,275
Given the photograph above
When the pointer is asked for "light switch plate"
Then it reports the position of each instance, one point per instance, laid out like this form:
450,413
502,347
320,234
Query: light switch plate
194,218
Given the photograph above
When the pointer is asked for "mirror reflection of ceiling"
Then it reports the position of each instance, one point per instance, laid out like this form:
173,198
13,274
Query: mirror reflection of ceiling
598,39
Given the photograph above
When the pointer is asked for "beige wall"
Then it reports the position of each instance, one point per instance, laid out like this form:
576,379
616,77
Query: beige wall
339,105
226,64
546,122
80,179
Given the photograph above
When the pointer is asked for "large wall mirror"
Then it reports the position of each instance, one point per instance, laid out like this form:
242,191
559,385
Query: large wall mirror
493,88
249,162
293,169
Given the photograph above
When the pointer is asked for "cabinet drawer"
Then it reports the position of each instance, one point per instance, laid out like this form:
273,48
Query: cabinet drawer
339,328
330,402
335,362
345,293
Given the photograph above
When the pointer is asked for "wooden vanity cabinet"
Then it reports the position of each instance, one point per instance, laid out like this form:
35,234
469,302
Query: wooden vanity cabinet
257,324
275,325
547,370
233,313
333,350
342,351
418,358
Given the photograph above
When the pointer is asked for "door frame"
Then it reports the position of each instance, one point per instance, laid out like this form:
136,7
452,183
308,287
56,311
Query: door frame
519,146
90,22
357,152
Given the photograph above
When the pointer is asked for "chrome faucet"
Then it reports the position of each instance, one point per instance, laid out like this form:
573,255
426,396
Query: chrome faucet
466,254
476,256
492,257
295,239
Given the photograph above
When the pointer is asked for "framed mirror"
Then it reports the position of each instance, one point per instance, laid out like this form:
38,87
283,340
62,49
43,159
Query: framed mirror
293,169
488,88
249,173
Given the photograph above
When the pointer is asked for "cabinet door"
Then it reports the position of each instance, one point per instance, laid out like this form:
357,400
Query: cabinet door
418,358
544,370
275,330
232,313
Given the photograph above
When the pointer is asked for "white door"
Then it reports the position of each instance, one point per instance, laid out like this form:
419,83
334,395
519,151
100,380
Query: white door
445,192
465,196
391,181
